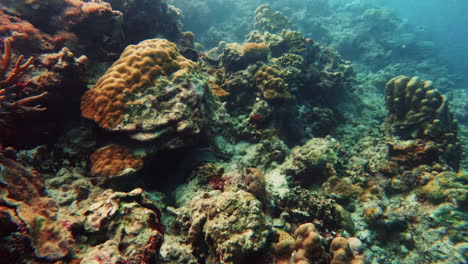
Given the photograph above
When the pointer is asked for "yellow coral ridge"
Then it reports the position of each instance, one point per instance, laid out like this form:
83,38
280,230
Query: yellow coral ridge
136,69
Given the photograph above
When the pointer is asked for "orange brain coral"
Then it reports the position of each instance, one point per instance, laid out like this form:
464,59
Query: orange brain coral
137,68
114,160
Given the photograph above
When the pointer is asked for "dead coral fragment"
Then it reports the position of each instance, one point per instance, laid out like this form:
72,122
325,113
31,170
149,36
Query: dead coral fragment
114,160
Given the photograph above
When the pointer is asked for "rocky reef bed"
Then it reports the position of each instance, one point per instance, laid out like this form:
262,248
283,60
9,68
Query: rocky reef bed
262,151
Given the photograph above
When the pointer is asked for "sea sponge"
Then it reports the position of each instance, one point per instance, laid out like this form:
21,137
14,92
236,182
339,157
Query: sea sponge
137,68
417,110
269,82
114,160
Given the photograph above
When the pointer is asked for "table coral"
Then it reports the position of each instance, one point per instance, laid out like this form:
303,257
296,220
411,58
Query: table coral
151,91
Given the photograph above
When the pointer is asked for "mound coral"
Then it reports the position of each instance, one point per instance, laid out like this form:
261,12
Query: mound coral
126,225
269,82
309,245
114,160
343,253
151,91
417,110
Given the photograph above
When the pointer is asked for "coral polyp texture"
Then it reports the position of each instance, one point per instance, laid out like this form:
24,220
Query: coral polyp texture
114,160
151,91
418,110
270,83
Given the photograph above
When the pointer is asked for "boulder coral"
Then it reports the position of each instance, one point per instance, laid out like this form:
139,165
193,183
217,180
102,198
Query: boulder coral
238,56
343,253
309,245
151,92
417,110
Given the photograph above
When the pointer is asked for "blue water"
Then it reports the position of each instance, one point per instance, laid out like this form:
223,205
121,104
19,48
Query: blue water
446,21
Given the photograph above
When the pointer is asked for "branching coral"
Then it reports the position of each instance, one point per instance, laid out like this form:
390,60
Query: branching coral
10,85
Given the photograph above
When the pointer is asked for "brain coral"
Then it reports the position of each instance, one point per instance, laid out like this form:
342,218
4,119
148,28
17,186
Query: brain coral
150,91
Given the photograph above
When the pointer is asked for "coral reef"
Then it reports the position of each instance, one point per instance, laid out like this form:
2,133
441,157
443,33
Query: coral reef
230,226
97,28
267,148
125,225
417,110
266,20
152,92
311,163
30,216
270,83
111,226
